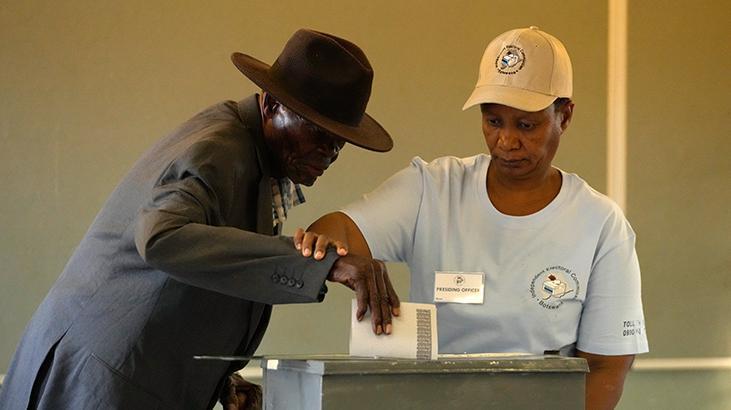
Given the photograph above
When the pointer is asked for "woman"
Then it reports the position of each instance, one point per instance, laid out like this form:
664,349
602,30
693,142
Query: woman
551,262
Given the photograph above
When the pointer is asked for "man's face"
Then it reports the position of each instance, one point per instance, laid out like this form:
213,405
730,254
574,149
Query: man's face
301,149
522,144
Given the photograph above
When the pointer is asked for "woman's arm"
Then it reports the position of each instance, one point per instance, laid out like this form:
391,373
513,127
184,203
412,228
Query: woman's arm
335,229
605,380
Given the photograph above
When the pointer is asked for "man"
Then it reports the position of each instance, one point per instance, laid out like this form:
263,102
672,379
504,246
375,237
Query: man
554,259
181,260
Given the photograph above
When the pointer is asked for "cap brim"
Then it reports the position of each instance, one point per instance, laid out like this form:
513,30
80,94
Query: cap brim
369,134
523,100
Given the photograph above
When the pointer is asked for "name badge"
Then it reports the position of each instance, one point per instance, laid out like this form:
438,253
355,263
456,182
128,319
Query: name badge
459,287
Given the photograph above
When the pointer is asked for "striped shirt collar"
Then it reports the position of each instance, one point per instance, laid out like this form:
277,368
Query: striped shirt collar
285,196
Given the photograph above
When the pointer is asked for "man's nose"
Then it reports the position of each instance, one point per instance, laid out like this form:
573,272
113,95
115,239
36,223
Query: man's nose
332,147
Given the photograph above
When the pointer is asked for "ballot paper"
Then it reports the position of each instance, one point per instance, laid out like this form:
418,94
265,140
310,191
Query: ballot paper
414,334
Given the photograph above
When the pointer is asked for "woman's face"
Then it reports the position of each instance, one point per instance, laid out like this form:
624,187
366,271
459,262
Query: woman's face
522,144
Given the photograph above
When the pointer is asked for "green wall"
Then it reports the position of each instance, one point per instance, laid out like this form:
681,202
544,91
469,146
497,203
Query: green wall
679,173
678,195
86,86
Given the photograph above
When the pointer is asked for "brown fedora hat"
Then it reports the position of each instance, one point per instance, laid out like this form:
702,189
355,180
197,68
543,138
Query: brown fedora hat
326,80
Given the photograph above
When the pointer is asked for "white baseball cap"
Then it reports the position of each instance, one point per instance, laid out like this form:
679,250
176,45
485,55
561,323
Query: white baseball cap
525,69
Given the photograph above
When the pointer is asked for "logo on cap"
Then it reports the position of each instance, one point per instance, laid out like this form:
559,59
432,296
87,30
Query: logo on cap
510,60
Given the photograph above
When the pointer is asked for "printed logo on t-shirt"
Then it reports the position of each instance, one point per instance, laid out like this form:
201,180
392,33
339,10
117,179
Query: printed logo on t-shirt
634,327
554,285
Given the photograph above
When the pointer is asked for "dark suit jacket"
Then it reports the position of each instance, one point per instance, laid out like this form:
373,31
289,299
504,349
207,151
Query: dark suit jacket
180,261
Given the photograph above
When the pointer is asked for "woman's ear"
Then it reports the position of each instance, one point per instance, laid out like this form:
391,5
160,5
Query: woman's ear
566,111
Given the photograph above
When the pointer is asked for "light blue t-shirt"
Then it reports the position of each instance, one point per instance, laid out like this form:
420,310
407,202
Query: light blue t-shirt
565,275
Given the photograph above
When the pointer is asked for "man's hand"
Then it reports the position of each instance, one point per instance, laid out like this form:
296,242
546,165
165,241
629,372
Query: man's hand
238,394
312,243
369,279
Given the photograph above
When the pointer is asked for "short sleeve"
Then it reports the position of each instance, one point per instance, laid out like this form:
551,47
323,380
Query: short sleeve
387,215
612,320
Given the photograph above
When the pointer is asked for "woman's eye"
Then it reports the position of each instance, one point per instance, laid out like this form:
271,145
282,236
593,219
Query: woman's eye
526,125
493,122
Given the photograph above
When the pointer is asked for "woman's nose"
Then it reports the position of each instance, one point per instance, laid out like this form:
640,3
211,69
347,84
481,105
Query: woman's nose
507,140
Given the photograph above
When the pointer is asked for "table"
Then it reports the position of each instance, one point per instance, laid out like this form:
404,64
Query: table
327,382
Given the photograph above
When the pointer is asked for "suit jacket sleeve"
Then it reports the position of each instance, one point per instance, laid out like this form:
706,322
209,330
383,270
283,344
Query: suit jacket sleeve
182,231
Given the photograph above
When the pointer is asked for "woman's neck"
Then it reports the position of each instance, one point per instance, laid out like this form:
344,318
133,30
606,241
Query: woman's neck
522,197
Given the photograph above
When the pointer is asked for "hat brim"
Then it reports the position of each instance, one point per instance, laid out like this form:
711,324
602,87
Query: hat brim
523,100
369,134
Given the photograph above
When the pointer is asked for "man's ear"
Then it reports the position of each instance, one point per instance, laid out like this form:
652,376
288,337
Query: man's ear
269,104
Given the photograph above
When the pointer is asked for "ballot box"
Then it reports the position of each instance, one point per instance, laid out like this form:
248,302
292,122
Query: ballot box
456,382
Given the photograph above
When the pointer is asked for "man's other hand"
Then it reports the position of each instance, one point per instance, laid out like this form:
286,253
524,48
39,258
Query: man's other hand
239,394
373,290
312,243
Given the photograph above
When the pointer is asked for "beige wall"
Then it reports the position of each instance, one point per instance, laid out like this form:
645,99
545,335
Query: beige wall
86,86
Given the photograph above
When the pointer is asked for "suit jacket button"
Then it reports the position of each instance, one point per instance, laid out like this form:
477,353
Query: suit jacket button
275,278
299,284
291,282
283,280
